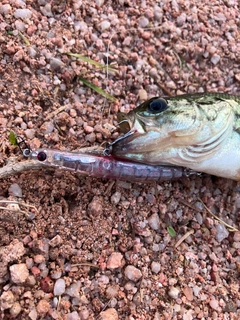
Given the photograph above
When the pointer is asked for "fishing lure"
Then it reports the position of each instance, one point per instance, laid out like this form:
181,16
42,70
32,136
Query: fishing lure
101,166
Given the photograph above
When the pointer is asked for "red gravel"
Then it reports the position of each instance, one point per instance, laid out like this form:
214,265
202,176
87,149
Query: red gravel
105,245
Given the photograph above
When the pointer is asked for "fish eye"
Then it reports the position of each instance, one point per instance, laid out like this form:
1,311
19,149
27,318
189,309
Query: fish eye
41,156
157,105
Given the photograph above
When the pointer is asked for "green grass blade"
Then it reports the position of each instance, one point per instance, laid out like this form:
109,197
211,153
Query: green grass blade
98,90
92,62
171,231
13,138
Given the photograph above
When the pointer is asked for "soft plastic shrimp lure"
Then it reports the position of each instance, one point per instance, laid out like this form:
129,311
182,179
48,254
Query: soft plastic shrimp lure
101,166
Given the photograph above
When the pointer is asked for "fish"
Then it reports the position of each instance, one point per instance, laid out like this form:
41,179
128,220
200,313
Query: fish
198,131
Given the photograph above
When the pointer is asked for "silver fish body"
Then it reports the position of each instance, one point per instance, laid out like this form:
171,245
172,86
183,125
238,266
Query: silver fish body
199,131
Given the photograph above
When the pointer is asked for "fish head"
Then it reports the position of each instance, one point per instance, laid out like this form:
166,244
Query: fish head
155,125
176,130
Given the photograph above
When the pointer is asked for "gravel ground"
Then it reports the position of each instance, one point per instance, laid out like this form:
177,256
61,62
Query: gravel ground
96,249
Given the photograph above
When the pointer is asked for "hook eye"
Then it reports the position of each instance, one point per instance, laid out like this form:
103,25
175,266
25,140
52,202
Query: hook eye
26,152
108,149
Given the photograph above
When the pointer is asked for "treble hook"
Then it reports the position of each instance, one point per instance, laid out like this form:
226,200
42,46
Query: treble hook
23,146
108,149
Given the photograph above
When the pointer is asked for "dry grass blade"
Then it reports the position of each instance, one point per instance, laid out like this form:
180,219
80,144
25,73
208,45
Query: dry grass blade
92,62
88,264
98,90
20,204
183,238
189,205
13,210
231,228
54,113
14,207
24,38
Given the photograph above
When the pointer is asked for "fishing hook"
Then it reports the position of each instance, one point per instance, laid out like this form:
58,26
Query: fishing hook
108,149
24,147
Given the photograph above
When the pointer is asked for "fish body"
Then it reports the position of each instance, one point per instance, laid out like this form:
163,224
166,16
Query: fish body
199,131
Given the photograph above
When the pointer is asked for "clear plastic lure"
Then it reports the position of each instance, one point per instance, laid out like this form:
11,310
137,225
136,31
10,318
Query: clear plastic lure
106,166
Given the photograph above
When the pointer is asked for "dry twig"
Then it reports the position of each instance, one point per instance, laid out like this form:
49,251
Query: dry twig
12,169
183,238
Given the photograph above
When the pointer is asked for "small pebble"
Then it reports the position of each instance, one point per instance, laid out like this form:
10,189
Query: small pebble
155,267
39,258
43,307
46,284
56,274
154,221
59,287
143,95
196,290
115,260
236,236
99,3
5,9
199,218
91,137
84,313
221,232
15,190
35,271
214,303
174,292
20,25
19,273
132,273
104,25
158,13
215,59
188,293
33,314
95,207
74,289
56,64
56,241
181,19
31,281
123,184
47,127
15,309
73,316
112,291
6,300
88,129
23,14
143,22
30,133
29,262
116,197
47,10
109,314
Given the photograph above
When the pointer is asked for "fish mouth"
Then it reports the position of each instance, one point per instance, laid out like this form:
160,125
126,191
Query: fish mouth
130,128
125,122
